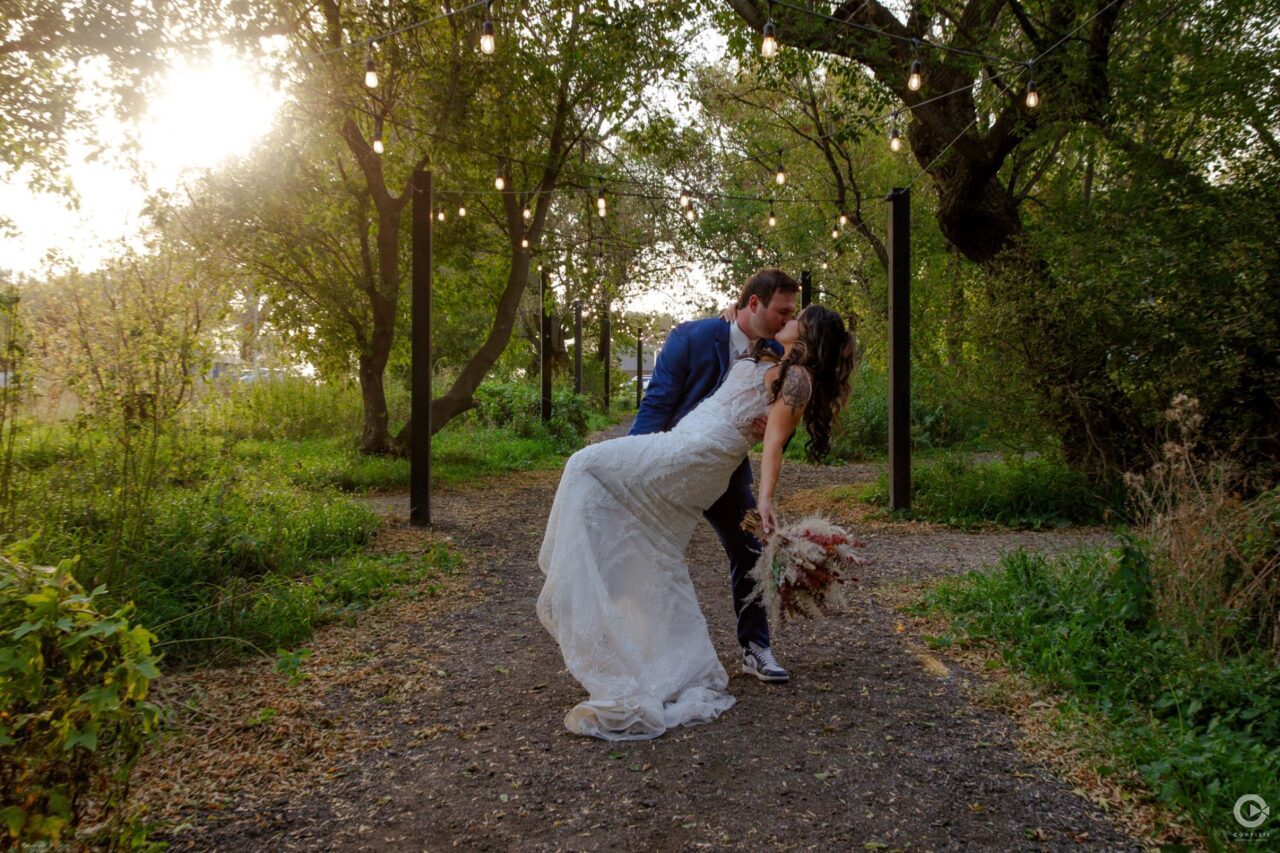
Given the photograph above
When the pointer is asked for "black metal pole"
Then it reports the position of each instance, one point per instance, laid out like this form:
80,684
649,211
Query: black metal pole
900,349
639,366
420,357
577,347
545,358
806,289
605,355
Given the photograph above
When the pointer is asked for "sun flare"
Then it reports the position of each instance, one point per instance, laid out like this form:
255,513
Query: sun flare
207,110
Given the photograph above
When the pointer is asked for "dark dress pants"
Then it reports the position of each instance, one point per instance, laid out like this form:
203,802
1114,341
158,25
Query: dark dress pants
726,516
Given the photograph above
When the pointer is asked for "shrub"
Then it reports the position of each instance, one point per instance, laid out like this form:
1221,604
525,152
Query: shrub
73,709
1018,492
517,406
292,407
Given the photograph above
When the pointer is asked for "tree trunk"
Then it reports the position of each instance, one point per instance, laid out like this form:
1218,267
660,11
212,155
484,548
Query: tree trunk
374,437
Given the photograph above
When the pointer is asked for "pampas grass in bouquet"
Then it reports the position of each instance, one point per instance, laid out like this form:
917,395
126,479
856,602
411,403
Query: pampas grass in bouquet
802,566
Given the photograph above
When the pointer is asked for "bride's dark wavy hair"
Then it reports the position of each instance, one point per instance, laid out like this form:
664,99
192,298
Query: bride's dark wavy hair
826,349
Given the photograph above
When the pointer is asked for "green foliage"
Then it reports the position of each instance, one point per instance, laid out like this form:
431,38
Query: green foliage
1036,492
517,406
1201,731
291,407
74,713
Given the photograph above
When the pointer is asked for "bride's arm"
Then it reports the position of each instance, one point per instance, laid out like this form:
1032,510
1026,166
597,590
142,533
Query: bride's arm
784,417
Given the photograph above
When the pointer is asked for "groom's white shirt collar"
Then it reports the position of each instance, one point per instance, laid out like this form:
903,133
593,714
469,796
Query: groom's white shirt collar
738,341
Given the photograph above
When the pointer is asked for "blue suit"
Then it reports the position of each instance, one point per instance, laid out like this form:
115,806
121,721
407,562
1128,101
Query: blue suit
692,364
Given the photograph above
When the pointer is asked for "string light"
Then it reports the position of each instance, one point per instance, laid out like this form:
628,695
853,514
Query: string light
499,182
773,220
524,243
370,72
527,213
487,42
895,139
1033,97
689,214
600,203
685,198
462,210
915,80
825,265
769,46
440,216
759,251
377,135
844,220
835,233
781,177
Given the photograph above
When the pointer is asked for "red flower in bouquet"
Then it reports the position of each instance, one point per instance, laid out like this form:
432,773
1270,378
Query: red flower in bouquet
802,566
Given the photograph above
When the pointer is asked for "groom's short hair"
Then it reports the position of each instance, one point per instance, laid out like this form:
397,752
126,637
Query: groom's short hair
764,283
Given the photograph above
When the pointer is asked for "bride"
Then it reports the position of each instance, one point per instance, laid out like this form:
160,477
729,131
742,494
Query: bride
617,596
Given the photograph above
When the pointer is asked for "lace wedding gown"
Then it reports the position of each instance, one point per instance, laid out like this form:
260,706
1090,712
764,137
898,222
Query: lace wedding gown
617,596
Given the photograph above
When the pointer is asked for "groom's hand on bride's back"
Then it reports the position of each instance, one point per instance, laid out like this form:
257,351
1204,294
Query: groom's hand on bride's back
758,427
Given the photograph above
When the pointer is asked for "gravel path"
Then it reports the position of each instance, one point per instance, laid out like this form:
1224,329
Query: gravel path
865,749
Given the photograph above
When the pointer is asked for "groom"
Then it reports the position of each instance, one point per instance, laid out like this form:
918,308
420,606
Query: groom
693,363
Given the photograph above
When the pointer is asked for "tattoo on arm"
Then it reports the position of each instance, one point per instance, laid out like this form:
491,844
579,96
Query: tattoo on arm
796,388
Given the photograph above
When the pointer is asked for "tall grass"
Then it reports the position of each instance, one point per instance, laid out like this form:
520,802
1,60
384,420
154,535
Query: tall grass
1023,493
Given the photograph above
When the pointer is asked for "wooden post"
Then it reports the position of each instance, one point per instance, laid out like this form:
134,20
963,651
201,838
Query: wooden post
605,355
420,353
806,289
900,349
639,366
577,347
546,352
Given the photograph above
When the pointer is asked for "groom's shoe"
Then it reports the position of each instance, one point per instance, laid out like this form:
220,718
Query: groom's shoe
758,660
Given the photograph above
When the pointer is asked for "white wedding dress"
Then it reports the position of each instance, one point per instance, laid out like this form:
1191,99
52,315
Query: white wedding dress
617,596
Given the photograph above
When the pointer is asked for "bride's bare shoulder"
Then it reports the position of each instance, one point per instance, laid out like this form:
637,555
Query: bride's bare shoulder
796,388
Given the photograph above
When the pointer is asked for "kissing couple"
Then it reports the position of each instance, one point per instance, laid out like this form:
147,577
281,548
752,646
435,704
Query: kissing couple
617,596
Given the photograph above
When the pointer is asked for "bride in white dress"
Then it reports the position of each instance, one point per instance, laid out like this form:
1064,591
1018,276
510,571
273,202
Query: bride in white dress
617,596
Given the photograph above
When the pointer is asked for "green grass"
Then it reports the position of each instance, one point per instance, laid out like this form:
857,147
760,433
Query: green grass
1201,733
1020,493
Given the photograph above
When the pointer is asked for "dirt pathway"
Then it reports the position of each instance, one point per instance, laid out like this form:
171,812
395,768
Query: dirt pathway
457,718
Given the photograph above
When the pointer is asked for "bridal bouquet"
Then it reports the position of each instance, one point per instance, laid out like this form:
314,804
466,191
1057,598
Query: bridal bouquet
802,566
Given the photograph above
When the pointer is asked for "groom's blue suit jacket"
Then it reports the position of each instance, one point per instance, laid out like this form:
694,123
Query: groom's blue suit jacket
691,366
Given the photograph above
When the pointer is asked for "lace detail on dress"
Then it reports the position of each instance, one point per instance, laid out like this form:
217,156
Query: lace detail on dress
617,596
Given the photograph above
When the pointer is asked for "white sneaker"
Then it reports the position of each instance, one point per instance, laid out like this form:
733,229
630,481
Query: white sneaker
758,660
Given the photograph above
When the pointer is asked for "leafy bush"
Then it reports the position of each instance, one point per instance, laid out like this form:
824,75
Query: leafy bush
517,406
1017,492
1201,731
73,709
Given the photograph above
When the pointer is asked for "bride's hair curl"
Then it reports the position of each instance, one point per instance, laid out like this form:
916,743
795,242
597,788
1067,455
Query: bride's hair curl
825,349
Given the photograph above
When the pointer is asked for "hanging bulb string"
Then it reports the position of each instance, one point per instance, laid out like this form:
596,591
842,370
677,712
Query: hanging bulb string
370,40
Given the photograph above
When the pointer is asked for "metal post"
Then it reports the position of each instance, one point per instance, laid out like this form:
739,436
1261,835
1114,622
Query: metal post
577,347
545,358
605,355
420,357
900,349
639,366
806,289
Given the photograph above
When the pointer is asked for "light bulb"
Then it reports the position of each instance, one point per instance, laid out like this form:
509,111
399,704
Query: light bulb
835,234
895,141
684,198
499,183
377,135
600,204
781,177
524,242
377,146
824,265
527,213
440,216
773,220
462,210
487,43
759,251
370,73
915,80
769,47
690,215
844,219
1033,98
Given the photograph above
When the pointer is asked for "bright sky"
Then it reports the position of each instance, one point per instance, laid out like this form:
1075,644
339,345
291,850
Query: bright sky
207,110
